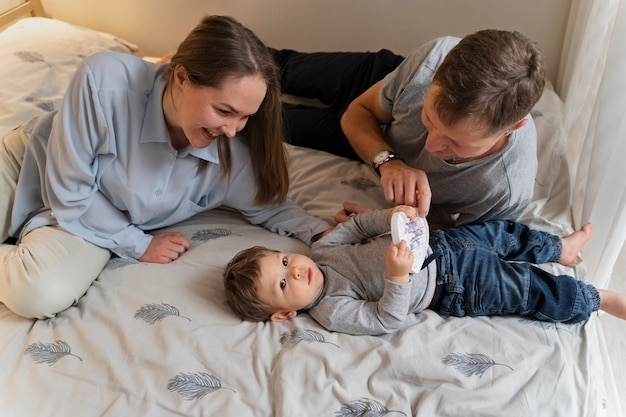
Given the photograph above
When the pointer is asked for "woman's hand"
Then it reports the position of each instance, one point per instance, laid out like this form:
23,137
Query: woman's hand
349,210
399,260
165,248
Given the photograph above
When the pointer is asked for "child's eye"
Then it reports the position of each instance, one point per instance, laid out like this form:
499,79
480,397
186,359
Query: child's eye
285,261
283,284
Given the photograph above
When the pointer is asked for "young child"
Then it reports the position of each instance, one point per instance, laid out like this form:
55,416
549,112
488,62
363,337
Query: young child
358,282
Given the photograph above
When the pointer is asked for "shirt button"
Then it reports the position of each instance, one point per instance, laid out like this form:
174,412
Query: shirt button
157,193
170,156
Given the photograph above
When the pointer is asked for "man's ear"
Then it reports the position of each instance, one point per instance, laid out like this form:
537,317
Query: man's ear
283,315
519,124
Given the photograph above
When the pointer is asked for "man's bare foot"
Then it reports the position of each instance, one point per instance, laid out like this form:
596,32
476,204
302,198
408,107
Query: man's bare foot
574,243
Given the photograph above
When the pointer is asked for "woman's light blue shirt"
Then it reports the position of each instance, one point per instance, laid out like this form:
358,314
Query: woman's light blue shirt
104,168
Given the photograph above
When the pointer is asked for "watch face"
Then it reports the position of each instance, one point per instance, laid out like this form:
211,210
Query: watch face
380,158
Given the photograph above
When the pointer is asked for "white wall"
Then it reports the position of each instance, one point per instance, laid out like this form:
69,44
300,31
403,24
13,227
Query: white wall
157,26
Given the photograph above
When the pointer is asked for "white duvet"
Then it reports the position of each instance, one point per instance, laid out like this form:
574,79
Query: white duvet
159,340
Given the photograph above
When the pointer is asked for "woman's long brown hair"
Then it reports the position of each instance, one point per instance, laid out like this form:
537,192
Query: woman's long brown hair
220,48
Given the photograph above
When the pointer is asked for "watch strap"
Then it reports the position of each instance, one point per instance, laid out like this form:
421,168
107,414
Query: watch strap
377,165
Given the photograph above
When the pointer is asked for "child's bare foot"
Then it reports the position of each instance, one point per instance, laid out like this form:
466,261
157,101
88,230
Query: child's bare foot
573,244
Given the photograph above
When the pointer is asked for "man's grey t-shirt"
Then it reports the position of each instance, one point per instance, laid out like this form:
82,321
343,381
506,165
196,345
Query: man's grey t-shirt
499,186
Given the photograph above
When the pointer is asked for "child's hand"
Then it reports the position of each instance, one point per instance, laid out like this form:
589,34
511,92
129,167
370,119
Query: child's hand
398,260
410,211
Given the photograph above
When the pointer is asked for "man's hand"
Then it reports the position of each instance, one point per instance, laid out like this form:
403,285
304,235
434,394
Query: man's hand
405,185
165,247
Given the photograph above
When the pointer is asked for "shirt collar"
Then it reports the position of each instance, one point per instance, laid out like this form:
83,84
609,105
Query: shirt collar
209,153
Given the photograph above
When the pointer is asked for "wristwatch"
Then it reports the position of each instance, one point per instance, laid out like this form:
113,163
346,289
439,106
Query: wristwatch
382,158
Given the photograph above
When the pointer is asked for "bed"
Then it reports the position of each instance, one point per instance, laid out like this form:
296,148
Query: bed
159,340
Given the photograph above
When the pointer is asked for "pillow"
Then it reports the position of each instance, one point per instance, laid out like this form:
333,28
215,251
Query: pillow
550,208
38,57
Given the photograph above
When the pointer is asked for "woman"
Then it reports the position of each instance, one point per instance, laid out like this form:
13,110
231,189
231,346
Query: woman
136,147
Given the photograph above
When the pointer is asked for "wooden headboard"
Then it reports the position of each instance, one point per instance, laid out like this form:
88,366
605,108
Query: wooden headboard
25,8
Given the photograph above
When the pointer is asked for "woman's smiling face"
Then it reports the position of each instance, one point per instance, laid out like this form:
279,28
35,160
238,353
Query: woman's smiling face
203,113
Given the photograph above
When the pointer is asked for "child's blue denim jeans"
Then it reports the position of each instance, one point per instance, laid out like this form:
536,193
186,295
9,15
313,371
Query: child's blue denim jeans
487,269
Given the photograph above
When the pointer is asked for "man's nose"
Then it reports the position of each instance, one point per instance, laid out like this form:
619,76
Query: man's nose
434,142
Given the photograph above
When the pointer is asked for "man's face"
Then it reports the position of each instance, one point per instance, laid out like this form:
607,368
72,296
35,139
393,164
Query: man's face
463,141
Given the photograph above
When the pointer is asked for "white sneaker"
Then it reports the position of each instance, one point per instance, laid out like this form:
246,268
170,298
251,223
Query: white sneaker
415,233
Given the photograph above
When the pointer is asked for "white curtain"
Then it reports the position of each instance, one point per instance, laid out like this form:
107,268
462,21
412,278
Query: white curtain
592,83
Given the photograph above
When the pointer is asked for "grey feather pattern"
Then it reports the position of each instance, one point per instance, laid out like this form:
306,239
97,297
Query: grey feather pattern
303,335
208,234
547,325
115,263
192,386
30,56
49,353
470,363
361,184
45,105
364,407
151,313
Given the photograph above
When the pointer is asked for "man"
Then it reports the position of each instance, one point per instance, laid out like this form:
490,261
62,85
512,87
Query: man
448,130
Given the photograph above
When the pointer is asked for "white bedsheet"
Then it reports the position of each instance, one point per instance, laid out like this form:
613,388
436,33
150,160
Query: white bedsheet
159,340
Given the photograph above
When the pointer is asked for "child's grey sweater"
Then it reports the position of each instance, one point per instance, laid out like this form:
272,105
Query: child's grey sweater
357,297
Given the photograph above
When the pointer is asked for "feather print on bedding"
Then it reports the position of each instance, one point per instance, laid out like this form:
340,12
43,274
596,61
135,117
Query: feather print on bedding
303,335
546,325
49,353
45,105
208,234
361,184
365,407
31,57
470,363
195,386
115,263
151,313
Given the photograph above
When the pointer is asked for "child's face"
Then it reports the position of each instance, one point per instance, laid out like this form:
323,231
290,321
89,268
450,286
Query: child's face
288,282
